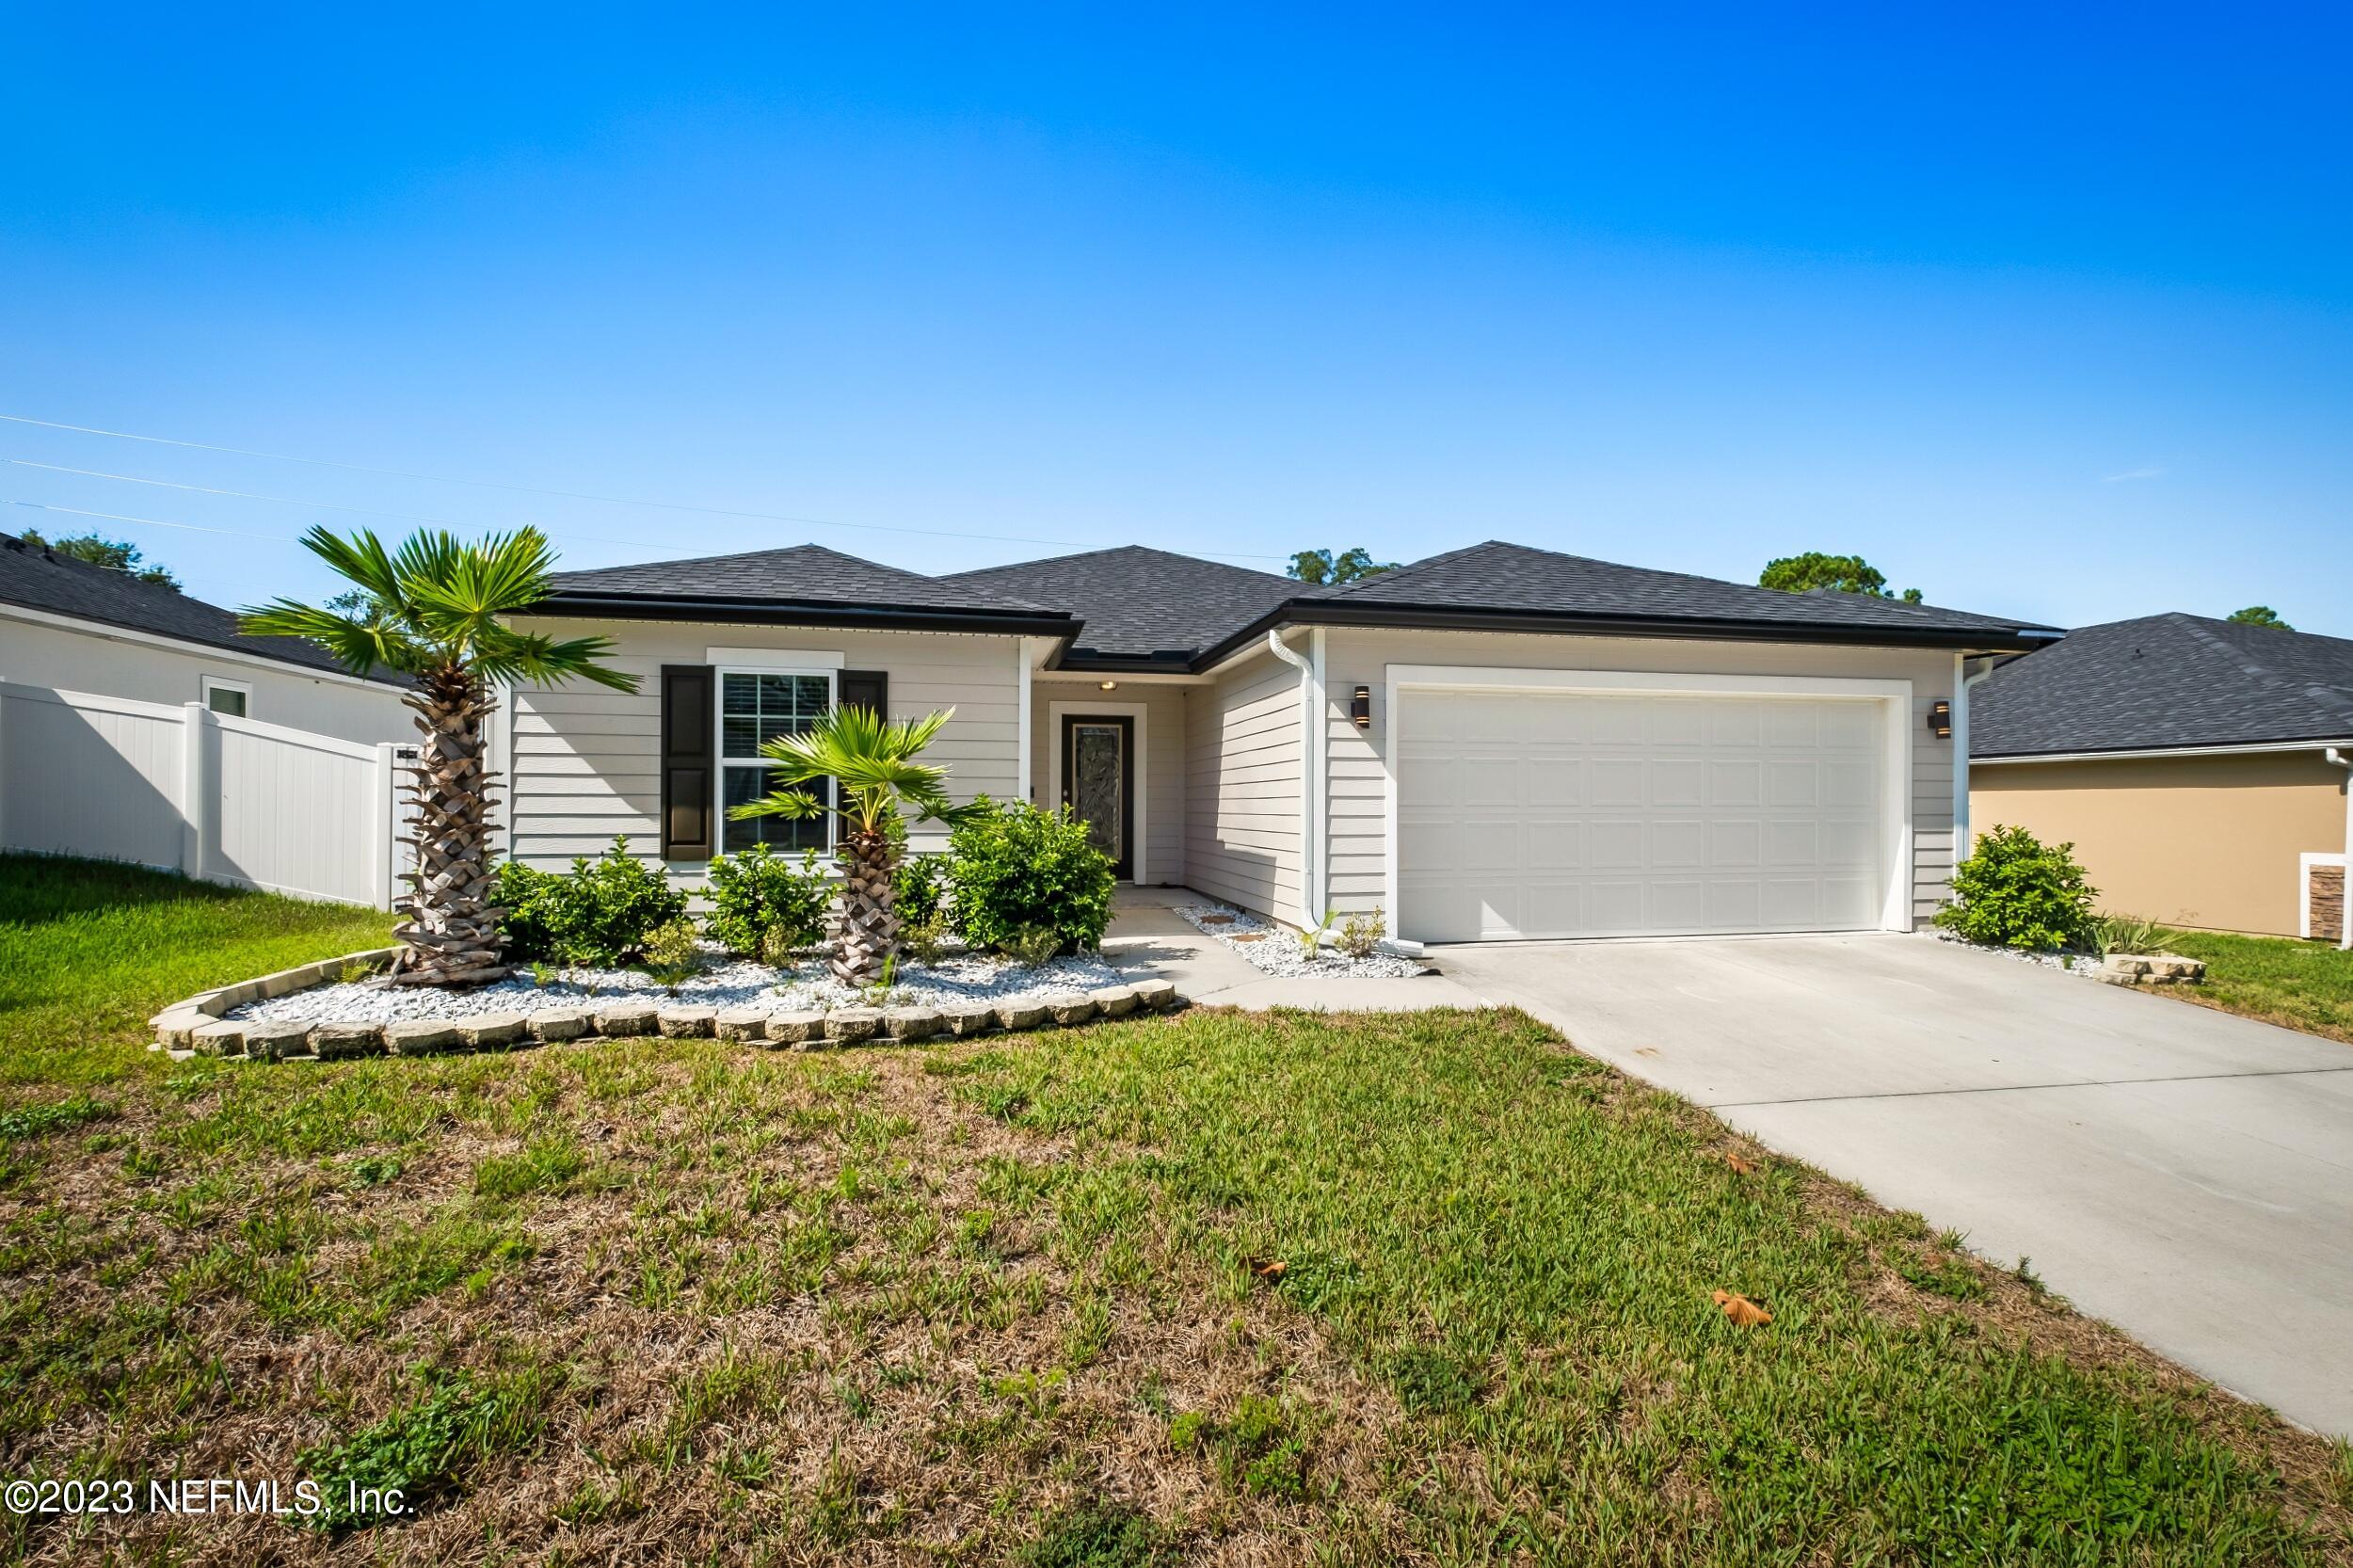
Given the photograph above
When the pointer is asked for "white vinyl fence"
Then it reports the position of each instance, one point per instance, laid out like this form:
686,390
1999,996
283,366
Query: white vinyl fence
184,789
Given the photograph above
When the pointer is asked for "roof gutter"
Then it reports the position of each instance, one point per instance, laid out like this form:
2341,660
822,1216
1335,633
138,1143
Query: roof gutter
1324,612
772,612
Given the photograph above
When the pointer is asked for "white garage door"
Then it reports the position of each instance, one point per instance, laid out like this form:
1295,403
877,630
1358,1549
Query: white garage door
1567,814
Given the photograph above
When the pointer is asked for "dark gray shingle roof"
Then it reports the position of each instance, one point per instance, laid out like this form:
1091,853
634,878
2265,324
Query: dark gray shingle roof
2166,681
1138,601
61,585
799,574
1520,580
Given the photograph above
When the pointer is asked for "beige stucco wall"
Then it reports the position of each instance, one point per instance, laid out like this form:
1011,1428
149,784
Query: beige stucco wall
1242,800
1358,758
1159,712
585,761
88,660
2203,841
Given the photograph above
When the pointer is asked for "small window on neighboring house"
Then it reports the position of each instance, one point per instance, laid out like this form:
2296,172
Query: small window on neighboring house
228,696
756,707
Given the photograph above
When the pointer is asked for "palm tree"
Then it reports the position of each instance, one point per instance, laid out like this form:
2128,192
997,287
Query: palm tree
877,780
431,612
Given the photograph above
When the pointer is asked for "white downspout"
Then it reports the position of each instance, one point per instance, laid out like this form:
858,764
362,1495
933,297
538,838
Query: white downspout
2344,900
1963,845
1311,913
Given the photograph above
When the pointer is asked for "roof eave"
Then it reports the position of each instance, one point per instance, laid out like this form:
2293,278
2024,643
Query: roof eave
772,611
1324,612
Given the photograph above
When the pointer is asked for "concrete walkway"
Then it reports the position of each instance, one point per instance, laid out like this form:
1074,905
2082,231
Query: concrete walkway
1148,939
2181,1173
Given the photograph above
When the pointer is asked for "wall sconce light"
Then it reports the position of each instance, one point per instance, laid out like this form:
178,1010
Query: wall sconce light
1360,708
1111,685
1941,719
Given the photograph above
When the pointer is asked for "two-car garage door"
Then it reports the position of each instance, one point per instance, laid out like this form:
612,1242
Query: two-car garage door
1551,813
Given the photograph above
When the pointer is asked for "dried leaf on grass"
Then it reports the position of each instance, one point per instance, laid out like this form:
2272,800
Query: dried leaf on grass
1740,1166
1267,1269
1743,1312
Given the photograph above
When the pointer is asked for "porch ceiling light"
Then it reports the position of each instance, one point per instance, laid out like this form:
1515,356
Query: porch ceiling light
1111,685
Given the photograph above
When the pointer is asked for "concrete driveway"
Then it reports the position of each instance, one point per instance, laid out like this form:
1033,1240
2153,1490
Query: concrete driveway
2185,1175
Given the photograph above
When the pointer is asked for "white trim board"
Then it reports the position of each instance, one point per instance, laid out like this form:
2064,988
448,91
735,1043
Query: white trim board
775,661
1054,712
1896,762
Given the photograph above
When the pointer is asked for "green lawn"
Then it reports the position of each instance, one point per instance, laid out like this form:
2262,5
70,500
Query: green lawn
1016,1299
2306,985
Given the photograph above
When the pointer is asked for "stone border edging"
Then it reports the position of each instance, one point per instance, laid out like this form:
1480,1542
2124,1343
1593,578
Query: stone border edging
196,1028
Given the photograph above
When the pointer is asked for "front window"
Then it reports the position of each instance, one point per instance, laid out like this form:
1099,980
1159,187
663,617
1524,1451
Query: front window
756,707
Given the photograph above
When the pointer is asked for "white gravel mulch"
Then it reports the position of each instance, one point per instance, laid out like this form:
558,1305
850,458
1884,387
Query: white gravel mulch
724,983
1275,949
2085,964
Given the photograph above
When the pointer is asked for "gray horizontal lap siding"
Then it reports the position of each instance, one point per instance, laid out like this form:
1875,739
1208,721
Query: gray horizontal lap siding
1242,816
585,761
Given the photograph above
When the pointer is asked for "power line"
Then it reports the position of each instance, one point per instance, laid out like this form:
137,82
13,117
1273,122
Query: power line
153,523
534,490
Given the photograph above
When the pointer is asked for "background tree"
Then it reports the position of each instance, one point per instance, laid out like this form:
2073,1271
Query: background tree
437,618
114,554
877,782
1846,574
1323,569
2259,614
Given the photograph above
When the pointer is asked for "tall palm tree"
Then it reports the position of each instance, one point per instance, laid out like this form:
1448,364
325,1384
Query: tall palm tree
877,781
431,610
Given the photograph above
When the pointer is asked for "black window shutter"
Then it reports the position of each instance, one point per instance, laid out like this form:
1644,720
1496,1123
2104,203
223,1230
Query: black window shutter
867,689
689,756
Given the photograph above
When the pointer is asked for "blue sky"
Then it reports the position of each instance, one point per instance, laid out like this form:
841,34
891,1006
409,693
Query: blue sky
2046,314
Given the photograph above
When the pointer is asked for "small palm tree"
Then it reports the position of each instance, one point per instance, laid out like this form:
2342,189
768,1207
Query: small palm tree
431,612
877,781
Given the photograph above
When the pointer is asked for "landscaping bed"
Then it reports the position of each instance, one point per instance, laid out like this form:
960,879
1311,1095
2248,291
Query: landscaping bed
1279,951
329,1011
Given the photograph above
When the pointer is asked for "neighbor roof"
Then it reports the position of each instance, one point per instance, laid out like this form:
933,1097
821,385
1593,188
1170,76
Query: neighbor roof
1141,603
805,582
2164,682
38,579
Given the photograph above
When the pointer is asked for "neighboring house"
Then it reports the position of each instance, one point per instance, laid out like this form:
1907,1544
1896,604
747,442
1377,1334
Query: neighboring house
2198,767
1498,741
75,627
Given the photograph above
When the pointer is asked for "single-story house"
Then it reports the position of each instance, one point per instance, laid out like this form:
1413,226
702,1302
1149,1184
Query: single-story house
2199,766
1495,743
70,626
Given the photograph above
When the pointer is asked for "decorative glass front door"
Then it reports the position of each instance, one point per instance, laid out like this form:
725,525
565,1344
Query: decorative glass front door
1096,783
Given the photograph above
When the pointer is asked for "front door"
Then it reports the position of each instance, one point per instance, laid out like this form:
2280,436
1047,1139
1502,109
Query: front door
1097,783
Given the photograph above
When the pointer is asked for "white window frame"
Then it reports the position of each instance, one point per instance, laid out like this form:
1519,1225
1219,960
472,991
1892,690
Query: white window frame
832,677
208,684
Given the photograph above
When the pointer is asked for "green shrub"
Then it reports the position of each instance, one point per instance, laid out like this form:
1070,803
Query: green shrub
673,952
918,889
1013,868
601,912
764,903
2015,892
